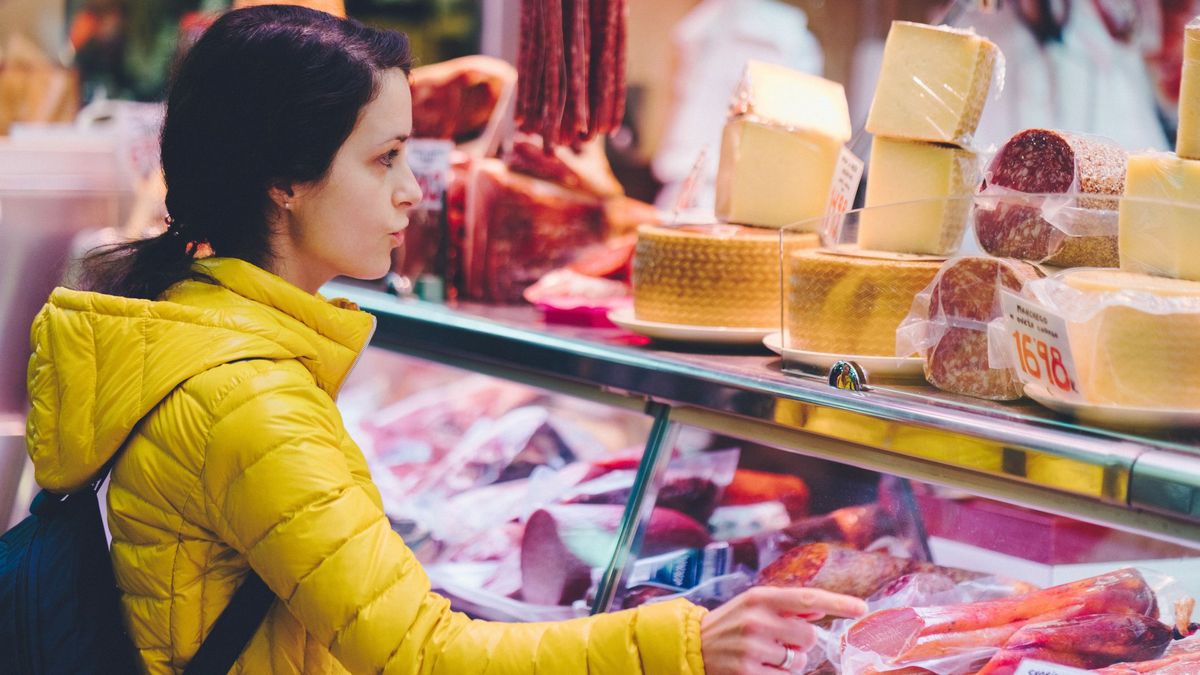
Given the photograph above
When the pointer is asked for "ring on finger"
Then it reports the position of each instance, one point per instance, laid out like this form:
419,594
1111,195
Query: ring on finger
789,656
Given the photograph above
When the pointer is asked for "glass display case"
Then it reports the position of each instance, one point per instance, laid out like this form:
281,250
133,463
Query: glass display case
736,473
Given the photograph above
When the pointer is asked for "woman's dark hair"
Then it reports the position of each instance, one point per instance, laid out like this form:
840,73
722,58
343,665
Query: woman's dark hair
265,98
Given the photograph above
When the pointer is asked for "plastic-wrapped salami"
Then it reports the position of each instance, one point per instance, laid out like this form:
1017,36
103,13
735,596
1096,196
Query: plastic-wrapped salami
1066,231
948,326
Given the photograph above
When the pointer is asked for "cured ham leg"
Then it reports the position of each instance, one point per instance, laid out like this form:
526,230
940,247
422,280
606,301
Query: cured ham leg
1083,642
905,636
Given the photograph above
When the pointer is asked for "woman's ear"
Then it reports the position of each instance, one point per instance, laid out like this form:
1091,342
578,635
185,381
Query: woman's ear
281,195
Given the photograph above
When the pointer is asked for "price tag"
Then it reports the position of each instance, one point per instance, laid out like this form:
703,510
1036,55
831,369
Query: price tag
429,160
846,178
1037,339
1035,667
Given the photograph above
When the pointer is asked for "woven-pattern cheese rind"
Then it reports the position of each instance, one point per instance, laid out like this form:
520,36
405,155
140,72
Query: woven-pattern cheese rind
842,304
703,279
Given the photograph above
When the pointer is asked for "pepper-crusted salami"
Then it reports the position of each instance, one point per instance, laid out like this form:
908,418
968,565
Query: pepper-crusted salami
965,296
581,46
1054,162
552,108
616,109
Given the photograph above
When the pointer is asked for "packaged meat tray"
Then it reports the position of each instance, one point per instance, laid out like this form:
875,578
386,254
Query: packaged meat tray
1045,200
948,326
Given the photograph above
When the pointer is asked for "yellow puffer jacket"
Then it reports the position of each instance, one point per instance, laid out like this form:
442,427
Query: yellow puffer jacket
235,458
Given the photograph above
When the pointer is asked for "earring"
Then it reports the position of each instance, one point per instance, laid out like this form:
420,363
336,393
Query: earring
287,205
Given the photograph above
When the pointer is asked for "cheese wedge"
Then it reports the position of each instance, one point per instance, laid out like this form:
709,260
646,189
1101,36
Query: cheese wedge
722,275
908,171
1187,139
771,176
851,304
933,83
785,97
1159,218
1127,356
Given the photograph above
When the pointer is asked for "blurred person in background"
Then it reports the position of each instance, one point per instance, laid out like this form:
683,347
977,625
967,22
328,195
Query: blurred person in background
214,378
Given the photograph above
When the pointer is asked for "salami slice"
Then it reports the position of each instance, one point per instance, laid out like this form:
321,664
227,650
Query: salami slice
965,296
1044,161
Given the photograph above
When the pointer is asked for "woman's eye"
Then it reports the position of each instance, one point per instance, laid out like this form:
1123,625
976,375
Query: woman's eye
390,158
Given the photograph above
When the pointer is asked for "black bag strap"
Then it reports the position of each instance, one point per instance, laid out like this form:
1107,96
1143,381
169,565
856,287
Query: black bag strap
233,629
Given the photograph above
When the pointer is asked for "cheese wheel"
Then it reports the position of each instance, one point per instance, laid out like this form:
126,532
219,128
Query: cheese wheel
723,275
933,83
1127,356
851,304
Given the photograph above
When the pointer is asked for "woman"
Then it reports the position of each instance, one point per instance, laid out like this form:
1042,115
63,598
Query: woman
283,151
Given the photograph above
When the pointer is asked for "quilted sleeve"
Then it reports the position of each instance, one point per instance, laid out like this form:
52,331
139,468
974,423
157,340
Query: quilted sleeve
279,490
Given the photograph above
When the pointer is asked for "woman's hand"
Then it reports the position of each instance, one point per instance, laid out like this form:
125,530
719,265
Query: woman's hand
750,634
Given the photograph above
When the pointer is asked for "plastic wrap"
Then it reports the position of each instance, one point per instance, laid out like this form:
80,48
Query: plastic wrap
934,83
948,326
519,228
709,275
1044,199
850,301
952,638
917,177
1158,216
1132,337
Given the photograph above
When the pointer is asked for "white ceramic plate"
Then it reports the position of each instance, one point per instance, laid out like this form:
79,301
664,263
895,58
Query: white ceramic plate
1117,416
624,318
893,367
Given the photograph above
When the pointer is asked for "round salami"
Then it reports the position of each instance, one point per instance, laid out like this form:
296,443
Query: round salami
964,297
1076,232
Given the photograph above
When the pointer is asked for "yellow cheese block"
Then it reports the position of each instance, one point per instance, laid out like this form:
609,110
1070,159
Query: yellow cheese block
907,171
1159,220
1131,357
1187,139
721,275
771,176
851,304
933,83
785,97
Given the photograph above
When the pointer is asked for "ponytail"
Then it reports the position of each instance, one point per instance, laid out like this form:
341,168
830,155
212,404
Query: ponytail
143,268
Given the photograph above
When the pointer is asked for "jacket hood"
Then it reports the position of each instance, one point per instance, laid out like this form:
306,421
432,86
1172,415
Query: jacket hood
100,363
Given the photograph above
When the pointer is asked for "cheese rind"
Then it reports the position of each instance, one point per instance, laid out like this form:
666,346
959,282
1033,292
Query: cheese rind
1159,218
1128,355
852,305
781,96
725,276
1187,139
933,83
770,176
908,171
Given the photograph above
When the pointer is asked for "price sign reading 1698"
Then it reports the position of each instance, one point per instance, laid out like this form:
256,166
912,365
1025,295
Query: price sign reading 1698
1041,345
1041,361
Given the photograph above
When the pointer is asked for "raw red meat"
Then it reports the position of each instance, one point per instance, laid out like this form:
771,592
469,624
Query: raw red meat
965,297
1057,162
562,544
586,169
1084,642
